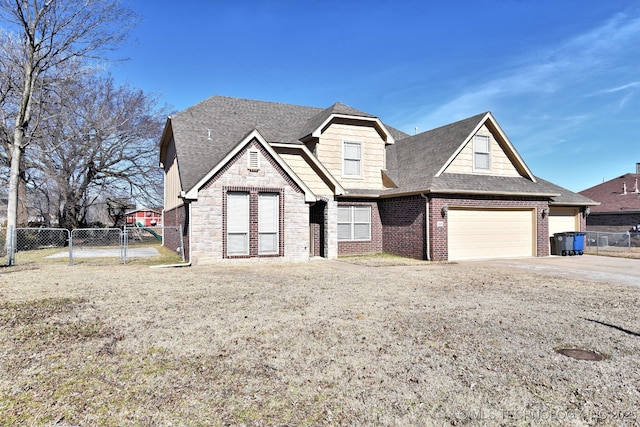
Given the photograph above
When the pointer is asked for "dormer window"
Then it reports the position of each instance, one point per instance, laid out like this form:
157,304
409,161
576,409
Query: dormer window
481,153
352,159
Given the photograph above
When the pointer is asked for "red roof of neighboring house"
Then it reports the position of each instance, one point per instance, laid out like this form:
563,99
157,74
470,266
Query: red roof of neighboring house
612,195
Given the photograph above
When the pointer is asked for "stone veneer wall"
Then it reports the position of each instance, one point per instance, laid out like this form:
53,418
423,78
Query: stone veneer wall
207,214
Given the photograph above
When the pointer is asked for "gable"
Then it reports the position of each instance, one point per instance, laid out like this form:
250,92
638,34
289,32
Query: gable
329,151
488,126
499,162
246,172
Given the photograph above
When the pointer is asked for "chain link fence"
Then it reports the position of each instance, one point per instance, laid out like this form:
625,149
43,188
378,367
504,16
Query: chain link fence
32,244
97,246
614,244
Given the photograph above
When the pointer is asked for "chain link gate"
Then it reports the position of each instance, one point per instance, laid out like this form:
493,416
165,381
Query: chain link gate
98,246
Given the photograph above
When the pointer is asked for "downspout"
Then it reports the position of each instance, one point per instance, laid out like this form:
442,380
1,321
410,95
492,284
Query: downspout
427,224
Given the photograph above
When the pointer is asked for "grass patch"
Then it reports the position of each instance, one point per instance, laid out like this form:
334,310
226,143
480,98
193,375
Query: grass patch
319,343
380,260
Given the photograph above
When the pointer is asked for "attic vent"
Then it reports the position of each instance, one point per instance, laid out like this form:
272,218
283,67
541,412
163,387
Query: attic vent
254,160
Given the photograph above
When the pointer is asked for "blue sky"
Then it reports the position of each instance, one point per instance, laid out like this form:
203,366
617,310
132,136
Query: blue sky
561,77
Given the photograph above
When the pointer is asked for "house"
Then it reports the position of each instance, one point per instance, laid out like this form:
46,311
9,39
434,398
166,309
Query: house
255,179
619,208
145,217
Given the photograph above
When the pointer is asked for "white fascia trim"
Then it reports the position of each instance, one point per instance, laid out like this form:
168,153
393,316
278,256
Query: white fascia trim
388,138
489,117
339,190
192,194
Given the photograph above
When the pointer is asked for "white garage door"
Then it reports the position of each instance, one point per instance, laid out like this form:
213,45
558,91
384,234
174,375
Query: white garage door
490,233
563,219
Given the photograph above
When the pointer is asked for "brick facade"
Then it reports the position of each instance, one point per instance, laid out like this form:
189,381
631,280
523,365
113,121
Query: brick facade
614,222
317,219
173,218
439,227
403,226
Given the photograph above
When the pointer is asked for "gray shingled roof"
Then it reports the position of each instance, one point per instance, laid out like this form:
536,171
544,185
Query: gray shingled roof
208,131
320,118
205,133
413,162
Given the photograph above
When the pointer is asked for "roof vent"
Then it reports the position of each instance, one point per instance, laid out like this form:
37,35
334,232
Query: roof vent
624,188
635,187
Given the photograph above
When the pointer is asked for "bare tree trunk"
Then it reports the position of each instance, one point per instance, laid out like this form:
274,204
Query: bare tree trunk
23,203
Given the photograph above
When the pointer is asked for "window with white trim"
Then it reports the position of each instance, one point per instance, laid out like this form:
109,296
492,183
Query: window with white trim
268,223
481,153
354,223
237,223
351,158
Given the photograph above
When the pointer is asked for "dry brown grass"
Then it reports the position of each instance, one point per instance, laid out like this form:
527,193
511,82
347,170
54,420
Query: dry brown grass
318,343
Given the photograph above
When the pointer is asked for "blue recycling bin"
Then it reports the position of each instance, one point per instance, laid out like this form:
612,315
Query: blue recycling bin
564,243
578,243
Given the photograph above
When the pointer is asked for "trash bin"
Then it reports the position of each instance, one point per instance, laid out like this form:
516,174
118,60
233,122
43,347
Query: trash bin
564,243
578,243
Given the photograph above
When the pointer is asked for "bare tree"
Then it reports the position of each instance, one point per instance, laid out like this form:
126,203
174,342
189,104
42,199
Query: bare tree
100,142
50,34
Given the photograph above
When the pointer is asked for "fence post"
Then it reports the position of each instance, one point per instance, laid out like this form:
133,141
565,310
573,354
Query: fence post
125,240
69,233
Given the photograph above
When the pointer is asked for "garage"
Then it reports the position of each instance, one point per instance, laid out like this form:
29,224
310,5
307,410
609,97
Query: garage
490,233
563,219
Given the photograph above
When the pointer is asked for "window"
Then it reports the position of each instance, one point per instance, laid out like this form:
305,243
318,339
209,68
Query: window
481,153
354,223
237,223
253,223
352,159
268,223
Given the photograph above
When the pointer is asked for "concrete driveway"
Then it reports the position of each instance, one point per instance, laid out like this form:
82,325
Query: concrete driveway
620,271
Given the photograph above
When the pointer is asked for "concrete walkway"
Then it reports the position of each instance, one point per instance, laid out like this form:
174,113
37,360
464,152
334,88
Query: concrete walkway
107,253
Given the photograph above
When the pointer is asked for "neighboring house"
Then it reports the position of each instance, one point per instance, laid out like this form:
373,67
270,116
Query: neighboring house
619,208
254,179
144,217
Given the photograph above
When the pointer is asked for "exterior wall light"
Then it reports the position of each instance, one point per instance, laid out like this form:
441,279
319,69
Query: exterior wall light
444,211
544,212
586,211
